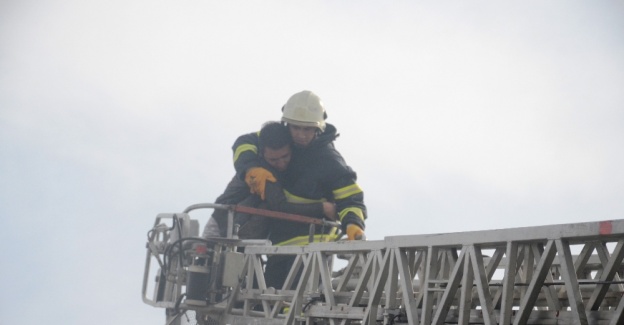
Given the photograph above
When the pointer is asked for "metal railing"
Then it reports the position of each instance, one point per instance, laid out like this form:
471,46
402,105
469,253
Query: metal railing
565,274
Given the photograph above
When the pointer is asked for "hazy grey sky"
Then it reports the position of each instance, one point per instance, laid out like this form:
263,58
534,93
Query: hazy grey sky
456,115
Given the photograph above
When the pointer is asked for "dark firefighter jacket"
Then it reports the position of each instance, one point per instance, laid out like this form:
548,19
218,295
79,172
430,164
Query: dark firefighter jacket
315,174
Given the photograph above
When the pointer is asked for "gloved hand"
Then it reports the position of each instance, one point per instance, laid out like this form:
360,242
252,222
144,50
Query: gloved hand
354,232
256,179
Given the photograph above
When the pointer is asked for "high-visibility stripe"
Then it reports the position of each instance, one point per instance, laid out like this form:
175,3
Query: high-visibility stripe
304,240
244,147
357,211
347,191
298,199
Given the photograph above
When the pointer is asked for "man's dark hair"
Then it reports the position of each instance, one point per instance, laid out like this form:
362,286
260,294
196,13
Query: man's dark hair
273,135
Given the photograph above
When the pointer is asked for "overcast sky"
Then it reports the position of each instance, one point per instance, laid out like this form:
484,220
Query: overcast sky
456,116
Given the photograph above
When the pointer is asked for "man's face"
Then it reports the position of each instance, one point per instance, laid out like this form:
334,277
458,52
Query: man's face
278,158
302,135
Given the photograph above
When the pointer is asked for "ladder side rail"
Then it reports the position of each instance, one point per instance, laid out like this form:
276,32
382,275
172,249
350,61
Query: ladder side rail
576,233
532,253
392,265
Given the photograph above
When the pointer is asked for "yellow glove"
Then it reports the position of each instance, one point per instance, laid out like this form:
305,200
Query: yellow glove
256,179
354,232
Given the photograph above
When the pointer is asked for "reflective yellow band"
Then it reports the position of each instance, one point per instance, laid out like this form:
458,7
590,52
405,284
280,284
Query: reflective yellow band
358,212
244,147
298,199
304,240
347,191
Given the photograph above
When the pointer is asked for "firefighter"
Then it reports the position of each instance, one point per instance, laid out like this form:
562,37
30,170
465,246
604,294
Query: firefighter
275,154
317,172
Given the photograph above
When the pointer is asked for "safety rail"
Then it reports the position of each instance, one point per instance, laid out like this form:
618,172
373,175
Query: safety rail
564,274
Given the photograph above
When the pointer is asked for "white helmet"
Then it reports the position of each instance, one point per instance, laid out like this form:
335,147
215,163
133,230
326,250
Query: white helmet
304,109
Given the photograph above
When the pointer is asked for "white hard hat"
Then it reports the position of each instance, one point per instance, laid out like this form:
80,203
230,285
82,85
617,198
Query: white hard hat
304,109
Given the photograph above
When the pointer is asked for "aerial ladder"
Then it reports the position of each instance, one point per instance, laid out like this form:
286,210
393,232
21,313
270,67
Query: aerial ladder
553,274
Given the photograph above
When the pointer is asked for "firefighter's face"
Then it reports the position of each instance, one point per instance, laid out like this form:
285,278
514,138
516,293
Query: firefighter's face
278,158
302,135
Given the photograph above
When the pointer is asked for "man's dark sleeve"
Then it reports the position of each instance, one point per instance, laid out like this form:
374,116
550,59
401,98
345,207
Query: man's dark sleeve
235,192
276,201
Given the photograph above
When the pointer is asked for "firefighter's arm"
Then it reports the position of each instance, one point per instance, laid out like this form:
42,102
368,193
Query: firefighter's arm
351,210
348,195
247,163
245,154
